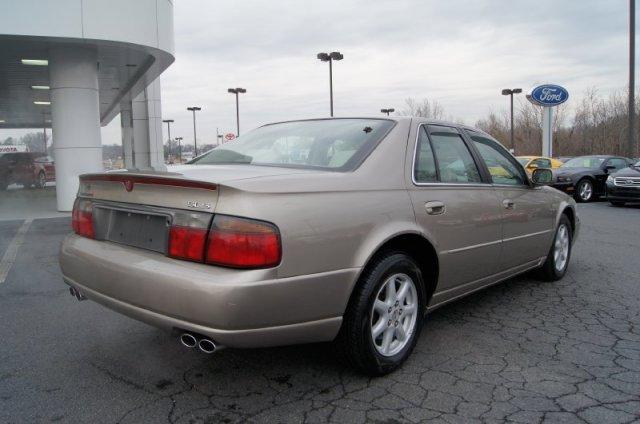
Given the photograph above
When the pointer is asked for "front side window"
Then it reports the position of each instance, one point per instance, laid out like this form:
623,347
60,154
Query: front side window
502,167
331,144
584,162
618,163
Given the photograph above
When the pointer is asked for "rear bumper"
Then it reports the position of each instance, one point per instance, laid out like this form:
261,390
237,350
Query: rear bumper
235,308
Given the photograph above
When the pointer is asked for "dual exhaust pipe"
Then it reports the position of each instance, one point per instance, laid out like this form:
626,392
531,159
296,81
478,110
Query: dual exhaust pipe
77,294
191,340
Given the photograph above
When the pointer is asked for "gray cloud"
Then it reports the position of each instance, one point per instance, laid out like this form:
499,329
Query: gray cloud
461,53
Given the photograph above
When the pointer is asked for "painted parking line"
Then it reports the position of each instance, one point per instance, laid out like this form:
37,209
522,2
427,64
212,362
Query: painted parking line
10,254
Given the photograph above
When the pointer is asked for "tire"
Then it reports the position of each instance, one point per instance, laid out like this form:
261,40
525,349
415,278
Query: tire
41,181
552,270
356,343
616,203
584,191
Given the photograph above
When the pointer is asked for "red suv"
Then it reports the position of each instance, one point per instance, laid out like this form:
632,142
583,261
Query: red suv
26,168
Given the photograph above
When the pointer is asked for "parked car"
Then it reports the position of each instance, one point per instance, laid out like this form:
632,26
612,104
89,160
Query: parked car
532,162
624,185
345,229
30,169
563,159
584,177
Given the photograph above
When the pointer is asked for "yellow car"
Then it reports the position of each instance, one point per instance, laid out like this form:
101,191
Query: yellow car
532,162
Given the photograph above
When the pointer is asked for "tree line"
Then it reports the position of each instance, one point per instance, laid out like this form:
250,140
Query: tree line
595,124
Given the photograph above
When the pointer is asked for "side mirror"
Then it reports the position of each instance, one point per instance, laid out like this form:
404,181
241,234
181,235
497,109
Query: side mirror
541,176
609,168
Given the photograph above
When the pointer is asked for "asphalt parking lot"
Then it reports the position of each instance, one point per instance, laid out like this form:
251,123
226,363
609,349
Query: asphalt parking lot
523,351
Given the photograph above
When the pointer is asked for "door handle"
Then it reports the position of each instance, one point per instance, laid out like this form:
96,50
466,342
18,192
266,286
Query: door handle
508,204
435,208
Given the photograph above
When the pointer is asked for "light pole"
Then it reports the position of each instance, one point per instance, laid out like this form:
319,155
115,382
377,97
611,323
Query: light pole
632,81
510,92
168,121
387,111
237,91
179,139
330,57
195,143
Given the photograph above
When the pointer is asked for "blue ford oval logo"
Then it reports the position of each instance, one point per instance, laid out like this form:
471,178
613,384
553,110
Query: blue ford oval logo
549,95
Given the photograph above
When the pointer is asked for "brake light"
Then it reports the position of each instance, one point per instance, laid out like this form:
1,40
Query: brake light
187,243
82,218
243,243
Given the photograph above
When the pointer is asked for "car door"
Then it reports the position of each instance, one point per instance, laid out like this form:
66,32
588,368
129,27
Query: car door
455,207
527,215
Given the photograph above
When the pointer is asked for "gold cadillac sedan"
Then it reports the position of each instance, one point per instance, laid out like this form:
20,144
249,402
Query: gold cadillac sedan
348,230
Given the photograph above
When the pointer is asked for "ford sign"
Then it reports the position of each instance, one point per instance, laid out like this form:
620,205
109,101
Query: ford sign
549,95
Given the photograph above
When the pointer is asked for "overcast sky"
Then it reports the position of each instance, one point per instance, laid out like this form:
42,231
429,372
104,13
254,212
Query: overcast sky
460,53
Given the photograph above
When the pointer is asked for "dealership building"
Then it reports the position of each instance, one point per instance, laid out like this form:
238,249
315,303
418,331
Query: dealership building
74,65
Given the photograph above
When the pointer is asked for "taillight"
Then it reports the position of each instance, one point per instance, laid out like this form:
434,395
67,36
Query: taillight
82,218
243,243
187,243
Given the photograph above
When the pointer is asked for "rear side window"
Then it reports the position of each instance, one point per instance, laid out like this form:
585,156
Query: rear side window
425,165
443,156
454,161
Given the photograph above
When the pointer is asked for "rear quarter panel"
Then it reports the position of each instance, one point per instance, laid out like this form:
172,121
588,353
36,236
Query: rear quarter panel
330,220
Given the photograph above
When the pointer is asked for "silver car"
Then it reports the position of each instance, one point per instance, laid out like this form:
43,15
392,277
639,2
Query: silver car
347,230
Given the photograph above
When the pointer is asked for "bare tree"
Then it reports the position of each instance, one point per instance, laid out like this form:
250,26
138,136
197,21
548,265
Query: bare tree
425,108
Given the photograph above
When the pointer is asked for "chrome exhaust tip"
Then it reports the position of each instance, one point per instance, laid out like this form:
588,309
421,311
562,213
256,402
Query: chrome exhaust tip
77,294
188,340
207,346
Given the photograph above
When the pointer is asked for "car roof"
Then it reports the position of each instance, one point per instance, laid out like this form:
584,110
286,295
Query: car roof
390,118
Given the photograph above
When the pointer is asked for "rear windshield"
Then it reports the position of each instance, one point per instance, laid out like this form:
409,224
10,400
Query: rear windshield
331,144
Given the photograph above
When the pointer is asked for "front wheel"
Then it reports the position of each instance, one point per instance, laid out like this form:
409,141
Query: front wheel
557,260
385,315
584,191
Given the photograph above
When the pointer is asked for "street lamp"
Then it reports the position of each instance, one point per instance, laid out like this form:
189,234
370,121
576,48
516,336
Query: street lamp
387,111
168,121
510,92
195,143
330,57
237,91
179,139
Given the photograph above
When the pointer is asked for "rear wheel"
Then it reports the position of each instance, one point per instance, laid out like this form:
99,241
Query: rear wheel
584,191
616,203
557,261
385,315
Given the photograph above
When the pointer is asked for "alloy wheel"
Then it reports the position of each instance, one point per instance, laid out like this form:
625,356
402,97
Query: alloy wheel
394,314
561,248
585,191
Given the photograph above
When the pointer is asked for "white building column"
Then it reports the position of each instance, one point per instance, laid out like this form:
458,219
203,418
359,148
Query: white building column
75,119
126,128
148,146
156,141
141,131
